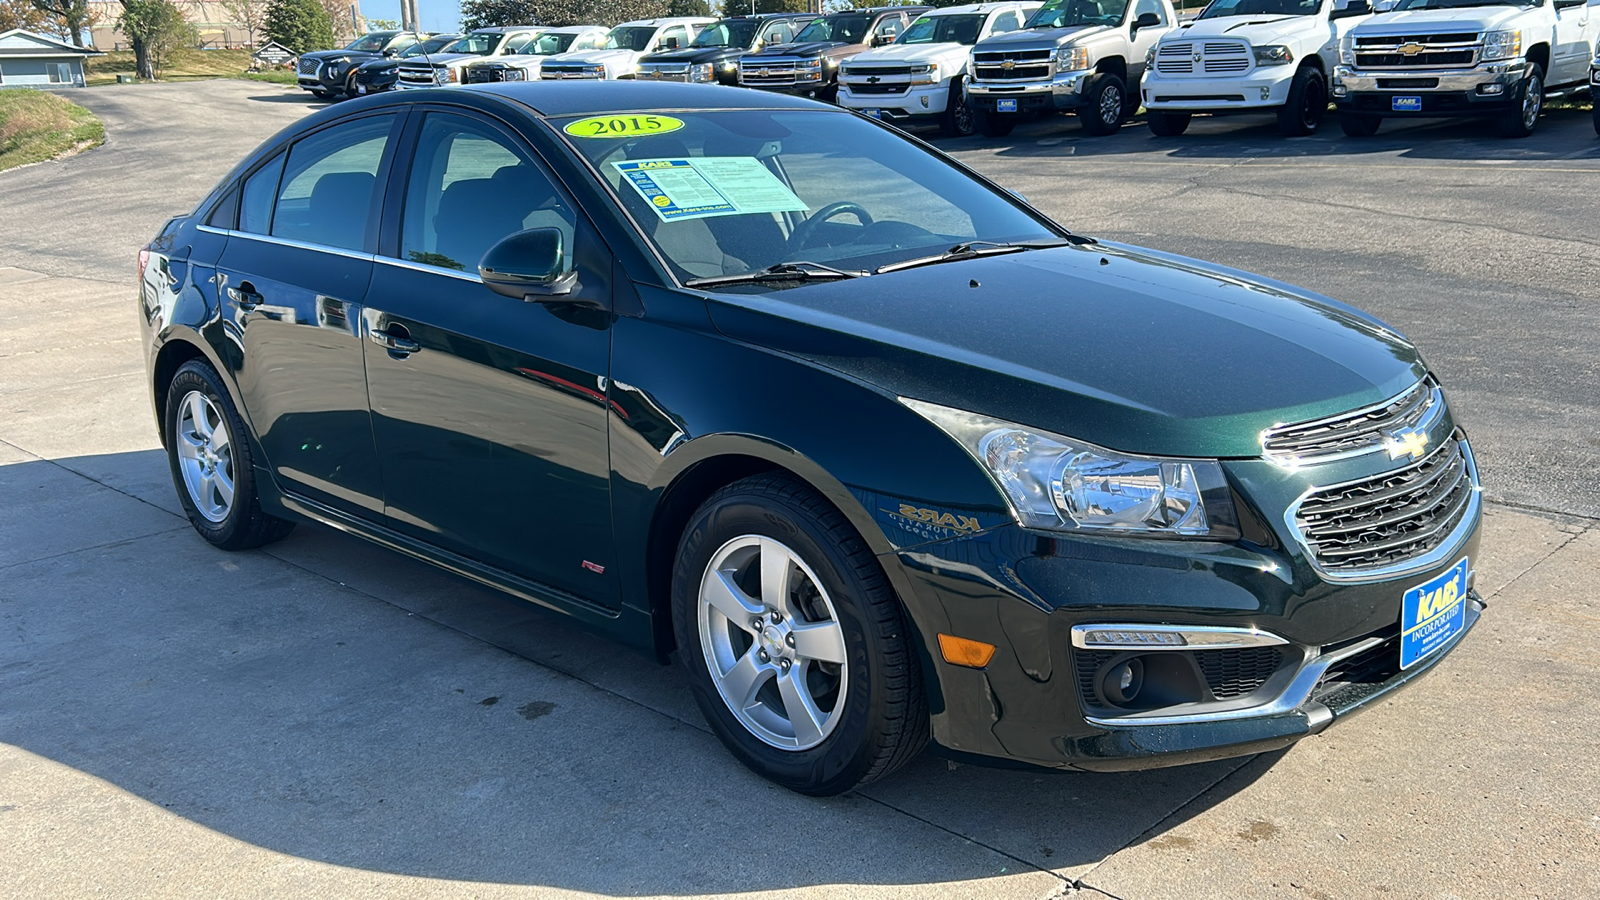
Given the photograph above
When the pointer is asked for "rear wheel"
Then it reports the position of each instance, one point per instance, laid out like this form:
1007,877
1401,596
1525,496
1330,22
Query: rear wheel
958,120
1596,115
1165,124
1520,122
1104,105
993,124
795,646
1359,124
1308,103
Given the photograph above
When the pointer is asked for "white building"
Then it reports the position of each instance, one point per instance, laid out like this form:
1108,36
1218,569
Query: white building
38,61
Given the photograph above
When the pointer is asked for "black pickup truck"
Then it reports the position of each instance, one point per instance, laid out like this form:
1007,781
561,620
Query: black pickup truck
714,55
810,65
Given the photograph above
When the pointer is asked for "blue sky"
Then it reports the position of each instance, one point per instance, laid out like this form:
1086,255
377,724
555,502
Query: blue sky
437,15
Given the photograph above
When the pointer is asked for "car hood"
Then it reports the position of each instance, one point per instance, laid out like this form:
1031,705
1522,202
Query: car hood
693,55
1461,20
380,64
518,60
440,59
910,53
596,57
809,48
1258,30
1131,349
1040,37
339,54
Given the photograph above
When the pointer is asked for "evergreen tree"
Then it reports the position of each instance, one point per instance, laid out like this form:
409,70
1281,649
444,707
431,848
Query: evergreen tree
300,25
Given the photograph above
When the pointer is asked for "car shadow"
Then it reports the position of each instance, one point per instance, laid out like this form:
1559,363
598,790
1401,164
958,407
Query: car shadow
334,701
303,98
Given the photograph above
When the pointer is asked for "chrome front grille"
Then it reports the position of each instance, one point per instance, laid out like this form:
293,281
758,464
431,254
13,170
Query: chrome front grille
416,75
548,72
1012,65
308,66
664,72
1417,51
1367,430
1203,58
1387,522
770,72
491,74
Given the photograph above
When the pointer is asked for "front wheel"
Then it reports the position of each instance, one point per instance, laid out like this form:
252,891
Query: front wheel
1359,124
994,125
1166,124
1596,115
322,95
957,120
1520,122
1104,105
1308,103
795,647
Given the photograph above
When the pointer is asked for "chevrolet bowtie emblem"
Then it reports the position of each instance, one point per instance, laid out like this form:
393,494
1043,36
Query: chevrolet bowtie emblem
1407,443
1008,65
873,79
1411,49
762,72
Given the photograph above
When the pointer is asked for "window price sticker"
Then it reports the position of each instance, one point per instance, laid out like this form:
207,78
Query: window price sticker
700,187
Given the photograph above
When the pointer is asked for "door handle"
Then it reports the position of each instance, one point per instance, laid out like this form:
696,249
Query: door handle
246,297
393,342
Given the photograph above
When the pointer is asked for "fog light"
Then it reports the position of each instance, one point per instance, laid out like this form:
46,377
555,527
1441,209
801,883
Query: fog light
1123,681
1340,90
1266,93
965,651
1491,88
924,102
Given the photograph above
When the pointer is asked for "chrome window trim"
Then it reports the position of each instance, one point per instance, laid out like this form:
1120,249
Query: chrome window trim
1430,420
1195,637
424,267
1446,549
289,242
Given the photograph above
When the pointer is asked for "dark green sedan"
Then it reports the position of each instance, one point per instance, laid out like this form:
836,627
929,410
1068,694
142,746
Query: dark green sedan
880,453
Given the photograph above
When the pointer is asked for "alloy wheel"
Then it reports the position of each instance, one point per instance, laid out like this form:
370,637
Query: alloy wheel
205,456
1111,106
1532,102
962,116
772,642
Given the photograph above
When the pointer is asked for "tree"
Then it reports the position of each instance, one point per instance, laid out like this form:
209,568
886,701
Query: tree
249,15
155,28
300,25
742,7
71,16
344,30
22,14
688,8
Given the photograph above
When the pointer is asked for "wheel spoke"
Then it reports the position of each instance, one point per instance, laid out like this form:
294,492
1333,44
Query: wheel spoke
776,565
208,489
219,440
822,641
188,445
197,414
728,599
224,487
745,678
803,713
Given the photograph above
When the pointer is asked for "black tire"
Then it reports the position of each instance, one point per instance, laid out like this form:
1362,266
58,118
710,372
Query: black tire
1359,124
1307,104
994,125
245,525
1168,124
1104,105
884,721
322,95
1596,114
958,120
1520,121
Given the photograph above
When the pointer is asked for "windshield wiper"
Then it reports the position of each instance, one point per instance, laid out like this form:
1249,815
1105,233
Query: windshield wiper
974,249
797,270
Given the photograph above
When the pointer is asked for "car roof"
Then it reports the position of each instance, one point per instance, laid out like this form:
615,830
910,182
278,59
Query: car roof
570,98
502,29
981,7
874,10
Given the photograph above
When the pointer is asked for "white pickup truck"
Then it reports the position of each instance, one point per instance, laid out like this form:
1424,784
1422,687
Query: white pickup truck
524,65
921,77
1497,58
1249,56
619,56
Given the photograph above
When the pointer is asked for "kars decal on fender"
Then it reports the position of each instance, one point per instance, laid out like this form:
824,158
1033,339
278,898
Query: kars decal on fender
622,126
937,519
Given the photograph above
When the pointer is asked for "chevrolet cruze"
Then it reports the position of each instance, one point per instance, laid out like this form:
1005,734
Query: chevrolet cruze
881,454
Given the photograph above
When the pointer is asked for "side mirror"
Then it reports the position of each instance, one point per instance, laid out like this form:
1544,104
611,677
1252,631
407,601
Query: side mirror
670,43
1146,20
527,266
1353,8
1568,4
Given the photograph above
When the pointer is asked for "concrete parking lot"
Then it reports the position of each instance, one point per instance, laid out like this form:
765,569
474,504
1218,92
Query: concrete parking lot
324,718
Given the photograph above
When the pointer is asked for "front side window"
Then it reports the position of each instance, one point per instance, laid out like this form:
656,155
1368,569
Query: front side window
635,38
736,191
260,189
370,43
1067,13
329,182
675,37
1153,7
738,33
779,32
469,186
847,29
888,29
1222,8
475,44
943,30
1006,21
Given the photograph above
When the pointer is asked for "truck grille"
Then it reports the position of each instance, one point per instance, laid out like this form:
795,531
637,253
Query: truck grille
879,80
550,72
769,72
417,76
492,74
663,72
1388,519
1012,65
1203,58
1366,430
308,66
1421,51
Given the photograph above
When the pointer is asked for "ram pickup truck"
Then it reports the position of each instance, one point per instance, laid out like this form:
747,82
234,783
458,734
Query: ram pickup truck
1077,56
525,65
1249,56
713,57
444,69
332,73
627,43
1495,58
810,64
921,78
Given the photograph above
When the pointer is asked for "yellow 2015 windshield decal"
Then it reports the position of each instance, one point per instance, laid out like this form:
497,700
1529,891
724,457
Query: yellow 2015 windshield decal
622,126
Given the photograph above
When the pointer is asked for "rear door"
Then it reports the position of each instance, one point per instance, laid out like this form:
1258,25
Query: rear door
292,279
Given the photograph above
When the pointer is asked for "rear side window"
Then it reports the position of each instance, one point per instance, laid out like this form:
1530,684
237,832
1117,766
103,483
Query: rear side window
329,182
255,208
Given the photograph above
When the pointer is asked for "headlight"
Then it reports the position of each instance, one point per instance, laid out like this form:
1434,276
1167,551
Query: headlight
810,70
702,72
1347,49
1072,59
1502,45
594,71
1274,55
514,75
449,76
927,74
1064,484
1150,59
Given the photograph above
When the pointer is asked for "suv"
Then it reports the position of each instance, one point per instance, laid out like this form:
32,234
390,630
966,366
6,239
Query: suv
810,65
525,65
1072,56
714,55
922,76
627,43
330,73
383,73
1249,56
1430,58
445,68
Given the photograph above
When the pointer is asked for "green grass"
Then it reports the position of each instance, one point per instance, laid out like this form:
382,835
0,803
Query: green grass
276,76
36,126
184,65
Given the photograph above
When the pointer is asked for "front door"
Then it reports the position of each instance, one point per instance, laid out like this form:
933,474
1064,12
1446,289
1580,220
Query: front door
490,412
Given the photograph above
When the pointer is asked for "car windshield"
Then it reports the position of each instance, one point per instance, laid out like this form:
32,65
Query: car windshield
1456,4
431,45
520,44
740,33
729,192
624,38
476,44
371,43
943,30
1067,13
846,29
1223,8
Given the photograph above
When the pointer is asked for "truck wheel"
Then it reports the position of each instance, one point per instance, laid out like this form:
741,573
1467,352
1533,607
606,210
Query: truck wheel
1103,105
957,120
1359,124
1597,118
1520,122
1166,124
1308,103
993,124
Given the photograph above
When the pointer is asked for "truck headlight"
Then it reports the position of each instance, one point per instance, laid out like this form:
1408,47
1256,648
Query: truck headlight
515,75
1274,55
1502,45
594,71
702,72
1150,59
926,74
810,70
1064,484
1072,59
450,76
1347,49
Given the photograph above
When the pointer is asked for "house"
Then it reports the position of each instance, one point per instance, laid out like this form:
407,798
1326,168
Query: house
35,60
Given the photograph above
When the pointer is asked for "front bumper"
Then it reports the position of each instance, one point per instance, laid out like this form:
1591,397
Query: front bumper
1483,90
1063,92
916,102
327,78
1264,89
